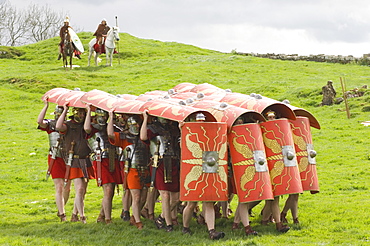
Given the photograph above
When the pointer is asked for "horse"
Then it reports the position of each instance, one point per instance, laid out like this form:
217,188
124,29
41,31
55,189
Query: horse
110,45
67,50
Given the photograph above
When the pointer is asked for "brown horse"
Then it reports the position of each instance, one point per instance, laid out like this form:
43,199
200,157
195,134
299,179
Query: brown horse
67,50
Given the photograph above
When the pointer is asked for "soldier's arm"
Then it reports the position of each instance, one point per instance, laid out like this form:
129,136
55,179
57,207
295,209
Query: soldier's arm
87,124
110,129
60,126
40,120
144,127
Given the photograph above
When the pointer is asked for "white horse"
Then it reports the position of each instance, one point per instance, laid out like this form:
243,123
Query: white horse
112,36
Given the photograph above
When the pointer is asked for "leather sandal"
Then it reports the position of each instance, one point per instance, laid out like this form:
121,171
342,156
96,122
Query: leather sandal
74,218
108,221
139,225
169,228
132,220
151,216
249,231
283,217
175,222
186,230
215,235
62,217
296,221
101,218
125,215
160,223
280,227
235,226
83,219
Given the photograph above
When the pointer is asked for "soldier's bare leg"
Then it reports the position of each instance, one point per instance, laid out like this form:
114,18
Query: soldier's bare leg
80,189
66,192
292,204
236,218
126,204
174,201
166,206
108,190
244,216
135,194
209,215
59,198
187,214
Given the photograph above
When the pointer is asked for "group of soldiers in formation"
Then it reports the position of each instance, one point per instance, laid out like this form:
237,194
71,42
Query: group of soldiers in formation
143,153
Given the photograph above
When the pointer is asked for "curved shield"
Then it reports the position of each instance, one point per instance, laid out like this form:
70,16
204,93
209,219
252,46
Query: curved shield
224,112
72,99
304,113
76,40
259,104
127,106
203,172
281,157
305,154
184,87
251,173
127,96
100,99
53,94
172,111
210,91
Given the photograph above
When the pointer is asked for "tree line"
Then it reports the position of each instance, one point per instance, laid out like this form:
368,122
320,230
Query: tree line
29,25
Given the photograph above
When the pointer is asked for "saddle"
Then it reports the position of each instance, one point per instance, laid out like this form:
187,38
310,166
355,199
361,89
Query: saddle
97,48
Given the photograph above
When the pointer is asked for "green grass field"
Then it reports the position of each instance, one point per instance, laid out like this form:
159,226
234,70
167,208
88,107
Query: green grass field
338,215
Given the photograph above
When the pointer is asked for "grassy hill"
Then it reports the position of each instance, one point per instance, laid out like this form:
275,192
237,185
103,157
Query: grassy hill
338,215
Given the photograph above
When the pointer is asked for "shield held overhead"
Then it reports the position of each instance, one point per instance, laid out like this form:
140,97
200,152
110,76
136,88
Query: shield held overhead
251,174
203,173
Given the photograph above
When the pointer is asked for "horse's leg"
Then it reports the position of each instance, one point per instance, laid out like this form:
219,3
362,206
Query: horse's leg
96,59
106,56
70,60
88,60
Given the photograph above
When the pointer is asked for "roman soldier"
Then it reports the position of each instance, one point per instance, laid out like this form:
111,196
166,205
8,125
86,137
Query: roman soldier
136,176
106,163
163,138
101,32
77,157
62,34
56,164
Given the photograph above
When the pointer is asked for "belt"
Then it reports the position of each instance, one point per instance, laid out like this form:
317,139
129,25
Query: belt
78,157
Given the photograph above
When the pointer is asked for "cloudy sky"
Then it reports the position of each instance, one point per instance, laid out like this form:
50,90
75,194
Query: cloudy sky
333,27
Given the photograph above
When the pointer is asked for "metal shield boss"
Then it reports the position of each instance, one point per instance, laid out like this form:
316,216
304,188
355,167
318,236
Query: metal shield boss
305,153
251,174
203,172
281,157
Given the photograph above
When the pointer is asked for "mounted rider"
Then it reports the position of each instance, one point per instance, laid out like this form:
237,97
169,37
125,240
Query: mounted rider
101,32
62,32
